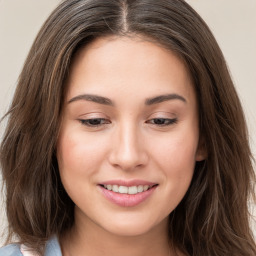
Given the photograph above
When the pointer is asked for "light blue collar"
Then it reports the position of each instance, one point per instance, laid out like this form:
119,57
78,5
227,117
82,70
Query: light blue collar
53,247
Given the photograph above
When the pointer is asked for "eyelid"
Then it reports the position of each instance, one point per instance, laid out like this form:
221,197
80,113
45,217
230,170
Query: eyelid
86,122
170,121
93,115
162,114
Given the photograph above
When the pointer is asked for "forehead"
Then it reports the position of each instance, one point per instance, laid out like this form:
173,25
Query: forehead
112,65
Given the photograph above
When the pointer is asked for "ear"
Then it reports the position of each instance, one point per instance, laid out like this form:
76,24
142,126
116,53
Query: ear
201,152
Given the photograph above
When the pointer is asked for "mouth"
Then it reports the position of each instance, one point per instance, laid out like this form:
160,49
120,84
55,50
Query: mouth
130,190
127,194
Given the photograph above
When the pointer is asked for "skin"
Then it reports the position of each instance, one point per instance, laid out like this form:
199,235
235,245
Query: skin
128,144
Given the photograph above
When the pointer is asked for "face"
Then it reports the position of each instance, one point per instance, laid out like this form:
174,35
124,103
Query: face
129,135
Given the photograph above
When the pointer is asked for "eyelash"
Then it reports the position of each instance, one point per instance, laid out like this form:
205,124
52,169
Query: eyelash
86,122
166,121
102,121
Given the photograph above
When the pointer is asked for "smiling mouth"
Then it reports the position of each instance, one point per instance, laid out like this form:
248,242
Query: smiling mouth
127,193
131,190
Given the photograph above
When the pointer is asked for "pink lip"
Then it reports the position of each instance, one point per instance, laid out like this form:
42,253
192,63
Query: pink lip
127,183
127,200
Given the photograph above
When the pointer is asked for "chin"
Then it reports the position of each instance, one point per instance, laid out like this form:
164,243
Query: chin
133,225
131,230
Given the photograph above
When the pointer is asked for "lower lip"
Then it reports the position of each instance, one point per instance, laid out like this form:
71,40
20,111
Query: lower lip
127,200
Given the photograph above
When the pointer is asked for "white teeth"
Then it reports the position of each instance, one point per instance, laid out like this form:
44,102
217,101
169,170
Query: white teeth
127,190
140,188
132,190
123,190
115,188
145,187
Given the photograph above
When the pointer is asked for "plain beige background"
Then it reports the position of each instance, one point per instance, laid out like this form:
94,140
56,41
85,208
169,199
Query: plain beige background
232,22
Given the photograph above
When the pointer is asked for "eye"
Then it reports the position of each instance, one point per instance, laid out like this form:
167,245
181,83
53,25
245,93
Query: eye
162,121
94,122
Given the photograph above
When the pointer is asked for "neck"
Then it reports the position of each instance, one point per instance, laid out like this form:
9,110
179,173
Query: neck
87,238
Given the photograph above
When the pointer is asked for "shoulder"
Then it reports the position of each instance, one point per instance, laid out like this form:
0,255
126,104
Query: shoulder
52,249
10,250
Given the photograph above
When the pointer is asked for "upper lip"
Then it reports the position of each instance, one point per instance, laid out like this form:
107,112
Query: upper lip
128,183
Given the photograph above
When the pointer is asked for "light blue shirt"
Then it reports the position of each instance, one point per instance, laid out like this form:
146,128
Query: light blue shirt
52,249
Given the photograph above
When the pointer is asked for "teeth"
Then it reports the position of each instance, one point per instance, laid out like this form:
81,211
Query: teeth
127,190
145,187
115,188
123,190
132,190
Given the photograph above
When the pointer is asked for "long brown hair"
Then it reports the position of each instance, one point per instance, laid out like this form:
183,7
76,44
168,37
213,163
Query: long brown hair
213,217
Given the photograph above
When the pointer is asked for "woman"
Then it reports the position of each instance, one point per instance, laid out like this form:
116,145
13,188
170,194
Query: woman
126,135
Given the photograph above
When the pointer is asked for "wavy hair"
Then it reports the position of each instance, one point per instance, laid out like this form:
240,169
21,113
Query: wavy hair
213,217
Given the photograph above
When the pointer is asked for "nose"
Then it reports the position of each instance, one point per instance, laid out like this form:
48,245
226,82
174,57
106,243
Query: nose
128,150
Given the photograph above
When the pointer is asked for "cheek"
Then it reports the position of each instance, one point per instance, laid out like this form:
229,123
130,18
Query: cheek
175,156
180,167
78,155
79,158
177,151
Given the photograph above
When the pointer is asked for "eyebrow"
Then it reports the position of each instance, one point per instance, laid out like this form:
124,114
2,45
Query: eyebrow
162,98
94,98
106,101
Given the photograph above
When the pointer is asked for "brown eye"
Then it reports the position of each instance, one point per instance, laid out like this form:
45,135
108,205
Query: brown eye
162,121
94,122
